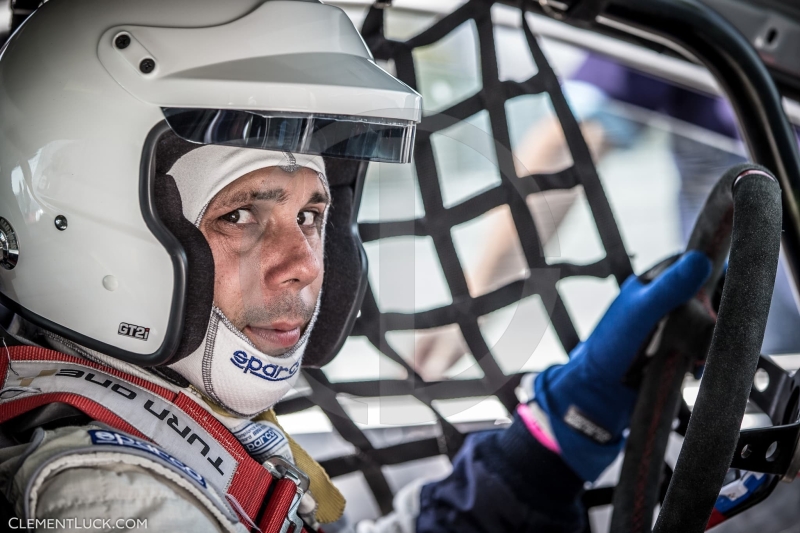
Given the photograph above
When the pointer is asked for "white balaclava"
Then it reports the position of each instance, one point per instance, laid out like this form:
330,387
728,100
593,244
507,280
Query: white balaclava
227,366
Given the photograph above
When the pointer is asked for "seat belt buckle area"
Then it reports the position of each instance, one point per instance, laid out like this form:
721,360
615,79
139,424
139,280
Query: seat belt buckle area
281,469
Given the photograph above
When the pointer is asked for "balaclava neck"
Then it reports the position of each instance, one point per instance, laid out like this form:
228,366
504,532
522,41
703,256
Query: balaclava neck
227,367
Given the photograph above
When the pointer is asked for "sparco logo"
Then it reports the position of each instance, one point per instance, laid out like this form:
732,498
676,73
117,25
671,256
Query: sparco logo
269,371
112,438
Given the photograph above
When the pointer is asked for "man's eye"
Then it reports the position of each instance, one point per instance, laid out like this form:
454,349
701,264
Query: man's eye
307,218
239,216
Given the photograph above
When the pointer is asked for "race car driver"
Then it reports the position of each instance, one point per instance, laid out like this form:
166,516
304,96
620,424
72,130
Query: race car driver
169,278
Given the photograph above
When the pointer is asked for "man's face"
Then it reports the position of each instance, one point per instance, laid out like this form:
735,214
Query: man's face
265,233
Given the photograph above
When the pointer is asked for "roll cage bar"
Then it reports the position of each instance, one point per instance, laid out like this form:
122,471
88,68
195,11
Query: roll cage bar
694,30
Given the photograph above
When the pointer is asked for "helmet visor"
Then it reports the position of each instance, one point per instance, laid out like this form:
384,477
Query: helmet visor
350,137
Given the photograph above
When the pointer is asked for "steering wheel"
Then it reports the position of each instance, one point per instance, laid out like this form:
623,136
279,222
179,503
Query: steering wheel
742,214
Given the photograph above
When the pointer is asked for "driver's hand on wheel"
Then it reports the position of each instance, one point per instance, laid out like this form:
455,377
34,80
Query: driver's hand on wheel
580,409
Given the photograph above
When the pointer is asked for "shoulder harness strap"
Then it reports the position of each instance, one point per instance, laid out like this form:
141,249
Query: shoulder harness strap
32,377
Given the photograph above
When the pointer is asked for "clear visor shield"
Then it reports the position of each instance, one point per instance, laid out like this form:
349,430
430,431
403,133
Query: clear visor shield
351,137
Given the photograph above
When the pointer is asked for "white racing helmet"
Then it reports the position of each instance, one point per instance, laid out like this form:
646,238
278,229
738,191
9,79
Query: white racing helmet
93,243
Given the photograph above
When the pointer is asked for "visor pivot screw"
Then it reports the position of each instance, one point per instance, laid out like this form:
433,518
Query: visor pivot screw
122,41
60,222
147,66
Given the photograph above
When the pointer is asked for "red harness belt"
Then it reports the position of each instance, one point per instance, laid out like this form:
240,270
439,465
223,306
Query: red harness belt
270,505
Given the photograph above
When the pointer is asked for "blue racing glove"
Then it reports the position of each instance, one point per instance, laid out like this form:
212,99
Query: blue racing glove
587,404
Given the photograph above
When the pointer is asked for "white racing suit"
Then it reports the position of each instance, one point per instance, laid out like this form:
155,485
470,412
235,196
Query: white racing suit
155,452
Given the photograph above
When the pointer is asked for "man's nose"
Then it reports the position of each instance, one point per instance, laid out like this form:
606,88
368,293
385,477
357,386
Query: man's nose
289,260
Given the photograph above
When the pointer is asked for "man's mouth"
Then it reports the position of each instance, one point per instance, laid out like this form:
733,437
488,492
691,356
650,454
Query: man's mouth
278,334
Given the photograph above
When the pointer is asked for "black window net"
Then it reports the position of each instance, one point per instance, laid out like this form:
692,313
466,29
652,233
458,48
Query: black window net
369,454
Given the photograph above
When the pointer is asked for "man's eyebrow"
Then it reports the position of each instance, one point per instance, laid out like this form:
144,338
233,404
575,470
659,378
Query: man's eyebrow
319,198
278,194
